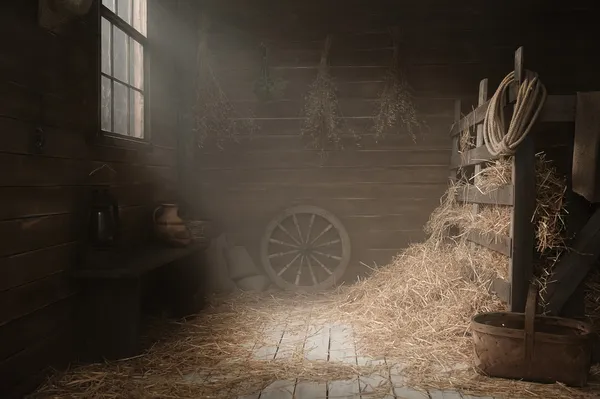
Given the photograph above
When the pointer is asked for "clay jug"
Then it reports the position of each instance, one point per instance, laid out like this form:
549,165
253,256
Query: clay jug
169,227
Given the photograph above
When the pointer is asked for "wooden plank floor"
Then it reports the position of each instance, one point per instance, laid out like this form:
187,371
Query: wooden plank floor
316,339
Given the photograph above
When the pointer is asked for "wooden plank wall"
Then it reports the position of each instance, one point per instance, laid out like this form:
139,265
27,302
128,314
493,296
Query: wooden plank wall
383,192
49,81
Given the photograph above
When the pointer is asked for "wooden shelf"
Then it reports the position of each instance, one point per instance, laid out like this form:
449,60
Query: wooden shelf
131,263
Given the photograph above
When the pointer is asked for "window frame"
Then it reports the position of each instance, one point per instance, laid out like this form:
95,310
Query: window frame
108,137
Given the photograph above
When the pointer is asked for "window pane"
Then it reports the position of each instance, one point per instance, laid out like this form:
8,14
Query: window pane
136,63
106,47
106,104
121,98
124,10
136,129
139,16
120,40
110,4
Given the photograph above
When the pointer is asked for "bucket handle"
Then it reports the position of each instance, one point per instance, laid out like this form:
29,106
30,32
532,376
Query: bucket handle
530,309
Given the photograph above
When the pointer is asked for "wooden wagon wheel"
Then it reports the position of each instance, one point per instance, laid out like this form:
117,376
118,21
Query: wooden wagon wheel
305,248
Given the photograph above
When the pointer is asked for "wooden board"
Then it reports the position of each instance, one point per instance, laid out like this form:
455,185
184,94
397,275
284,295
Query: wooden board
34,327
471,157
23,300
292,177
22,170
291,126
307,158
501,196
341,207
558,108
22,235
17,137
317,191
54,349
24,268
522,231
428,107
19,202
498,243
573,266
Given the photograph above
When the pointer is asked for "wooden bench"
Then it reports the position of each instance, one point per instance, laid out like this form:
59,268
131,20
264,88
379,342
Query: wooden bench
112,288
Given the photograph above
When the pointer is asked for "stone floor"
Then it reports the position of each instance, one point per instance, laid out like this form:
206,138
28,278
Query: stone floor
320,340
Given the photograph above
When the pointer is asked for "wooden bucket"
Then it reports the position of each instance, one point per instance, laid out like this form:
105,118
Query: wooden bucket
532,347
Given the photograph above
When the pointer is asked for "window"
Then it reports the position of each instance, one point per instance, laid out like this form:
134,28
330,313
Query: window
122,81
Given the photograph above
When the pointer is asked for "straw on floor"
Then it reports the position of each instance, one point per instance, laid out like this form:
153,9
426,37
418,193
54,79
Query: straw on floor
416,309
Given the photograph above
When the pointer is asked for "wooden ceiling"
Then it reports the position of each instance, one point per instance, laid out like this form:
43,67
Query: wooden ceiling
316,18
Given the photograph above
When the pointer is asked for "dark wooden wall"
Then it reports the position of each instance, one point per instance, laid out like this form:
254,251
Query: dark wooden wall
383,192
49,81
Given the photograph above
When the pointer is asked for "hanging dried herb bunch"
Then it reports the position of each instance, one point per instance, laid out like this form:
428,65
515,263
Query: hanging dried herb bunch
396,105
321,111
267,87
216,121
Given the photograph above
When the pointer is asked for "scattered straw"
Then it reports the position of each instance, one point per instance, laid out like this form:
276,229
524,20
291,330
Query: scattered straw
211,355
418,309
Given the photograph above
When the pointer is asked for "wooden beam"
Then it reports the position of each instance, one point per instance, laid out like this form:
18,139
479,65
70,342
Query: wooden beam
558,108
454,145
501,196
495,242
472,157
572,268
522,232
483,98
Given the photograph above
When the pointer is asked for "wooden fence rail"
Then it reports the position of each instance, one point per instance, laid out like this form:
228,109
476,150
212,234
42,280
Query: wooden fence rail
519,194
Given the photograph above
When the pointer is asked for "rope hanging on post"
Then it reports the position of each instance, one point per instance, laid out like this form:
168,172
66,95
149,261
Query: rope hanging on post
531,97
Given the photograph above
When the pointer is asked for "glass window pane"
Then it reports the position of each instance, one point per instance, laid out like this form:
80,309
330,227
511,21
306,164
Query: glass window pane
124,10
106,104
136,63
110,4
121,108
139,16
120,41
136,129
106,47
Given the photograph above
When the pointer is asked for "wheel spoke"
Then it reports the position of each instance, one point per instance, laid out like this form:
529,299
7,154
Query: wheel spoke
287,244
280,254
310,225
321,264
299,271
288,265
325,230
327,255
312,273
298,228
328,243
288,233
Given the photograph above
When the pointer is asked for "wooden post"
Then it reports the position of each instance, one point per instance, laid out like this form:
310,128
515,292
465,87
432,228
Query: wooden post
522,231
483,97
454,144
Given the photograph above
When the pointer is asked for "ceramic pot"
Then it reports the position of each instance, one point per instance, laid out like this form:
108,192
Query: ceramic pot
169,227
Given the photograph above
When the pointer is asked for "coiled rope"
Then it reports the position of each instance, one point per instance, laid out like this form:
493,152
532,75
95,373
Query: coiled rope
530,101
